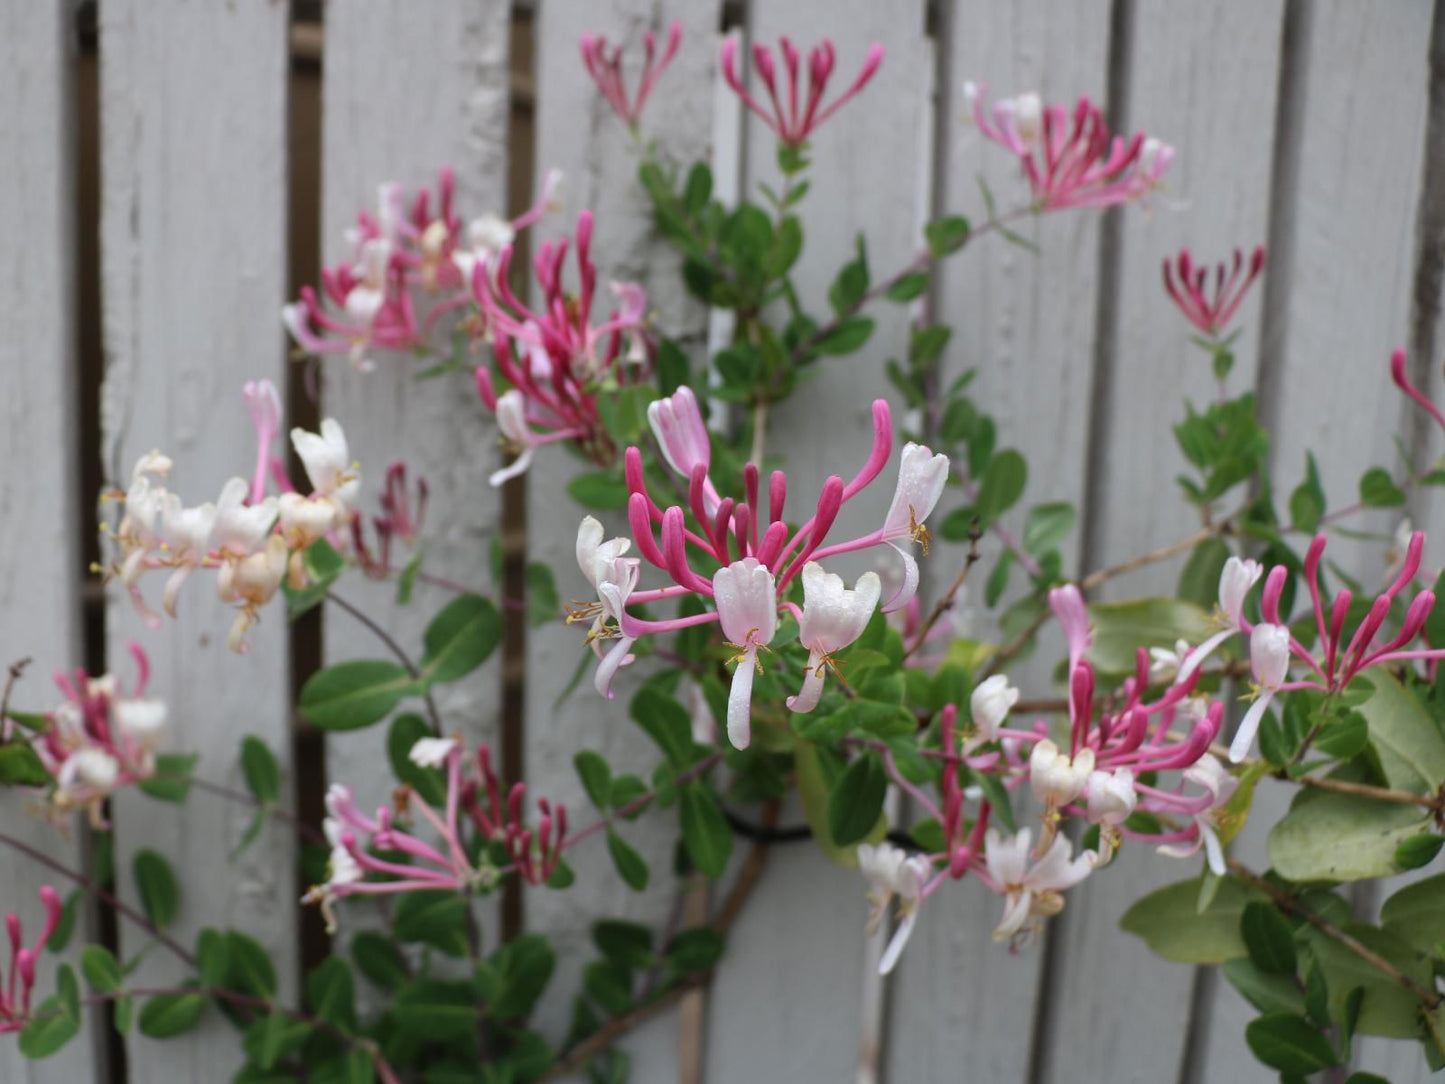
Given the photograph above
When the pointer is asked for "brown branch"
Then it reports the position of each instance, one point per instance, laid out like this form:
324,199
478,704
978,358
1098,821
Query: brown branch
941,607
1014,646
17,669
1094,579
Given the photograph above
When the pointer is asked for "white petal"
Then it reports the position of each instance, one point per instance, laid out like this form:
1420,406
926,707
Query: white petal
740,702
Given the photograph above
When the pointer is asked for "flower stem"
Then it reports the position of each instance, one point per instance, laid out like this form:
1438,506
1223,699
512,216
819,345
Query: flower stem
941,607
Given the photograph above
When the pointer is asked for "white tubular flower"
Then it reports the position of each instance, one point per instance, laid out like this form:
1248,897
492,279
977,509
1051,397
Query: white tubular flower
238,529
252,582
1235,581
614,578
1164,663
1055,778
747,605
304,520
891,872
432,752
989,707
342,868
1111,798
1269,659
833,617
328,463
921,478
1208,773
90,767
517,437
140,720
1030,893
593,554
187,535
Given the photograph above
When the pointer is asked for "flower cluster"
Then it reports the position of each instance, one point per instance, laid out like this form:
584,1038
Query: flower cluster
401,518
1211,304
15,996
1069,157
250,540
555,358
362,845
99,739
398,251
796,121
606,70
756,552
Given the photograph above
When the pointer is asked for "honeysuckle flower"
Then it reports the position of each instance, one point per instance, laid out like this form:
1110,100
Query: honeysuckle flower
1235,581
1072,613
989,705
1111,801
1219,787
606,71
264,406
614,578
15,994
1269,654
328,463
1068,156
186,533
432,752
682,436
1192,292
833,617
921,478
1031,892
792,125
487,234
699,713
747,607
891,872
1057,779
1164,663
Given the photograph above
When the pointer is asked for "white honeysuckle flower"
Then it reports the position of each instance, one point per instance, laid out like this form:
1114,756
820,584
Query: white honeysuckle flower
328,462
747,605
833,617
699,712
1269,659
593,554
187,535
1057,779
1164,663
1235,581
614,577
93,767
239,529
365,299
891,871
517,437
432,752
342,868
304,520
989,707
252,582
1030,892
1211,775
921,478
1111,797
142,720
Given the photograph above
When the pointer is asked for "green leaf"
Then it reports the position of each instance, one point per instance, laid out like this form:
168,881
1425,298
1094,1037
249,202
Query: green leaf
848,336
1199,578
603,489
908,287
1307,503
433,917
172,781
406,730
628,943
354,694
1001,486
596,778
543,602
274,1036
331,993
945,235
323,566
672,367
1378,489
1171,924
1416,913
1122,627
406,582
435,1011
377,957
705,832
1266,992
997,582
697,949
101,969
20,766
666,721
1341,837
1418,851
817,769
156,885
168,1015
460,638
248,966
1289,1043
630,866
1407,739
524,966
1048,525
856,800
608,984
56,1020
1268,938
258,765
851,284
1386,1008
212,958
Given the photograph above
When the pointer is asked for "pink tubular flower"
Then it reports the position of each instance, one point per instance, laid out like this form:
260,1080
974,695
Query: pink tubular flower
606,71
747,607
833,618
99,740
1070,158
15,997
1236,580
400,518
1191,293
474,797
795,120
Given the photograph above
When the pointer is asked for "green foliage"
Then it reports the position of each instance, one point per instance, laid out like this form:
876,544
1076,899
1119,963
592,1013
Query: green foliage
1172,924
354,694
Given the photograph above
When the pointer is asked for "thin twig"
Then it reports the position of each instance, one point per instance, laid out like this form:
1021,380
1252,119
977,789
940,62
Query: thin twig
297,825
396,649
941,607
1014,646
17,669
1094,579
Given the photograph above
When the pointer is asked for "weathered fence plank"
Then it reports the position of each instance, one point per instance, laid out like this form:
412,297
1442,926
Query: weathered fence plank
406,91
39,527
193,258
1216,194
868,172
578,134
1026,323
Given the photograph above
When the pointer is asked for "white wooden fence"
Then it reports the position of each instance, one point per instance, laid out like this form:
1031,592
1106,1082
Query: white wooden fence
1304,123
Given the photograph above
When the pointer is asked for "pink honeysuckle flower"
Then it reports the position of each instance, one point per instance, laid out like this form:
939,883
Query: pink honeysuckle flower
486,235
891,872
15,995
614,578
833,618
1235,581
1192,290
1068,156
1057,779
606,71
682,436
747,606
989,705
921,478
99,739
264,406
1402,381
328,463
1031,892
794,119
1205,813
1072,613
1269,659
